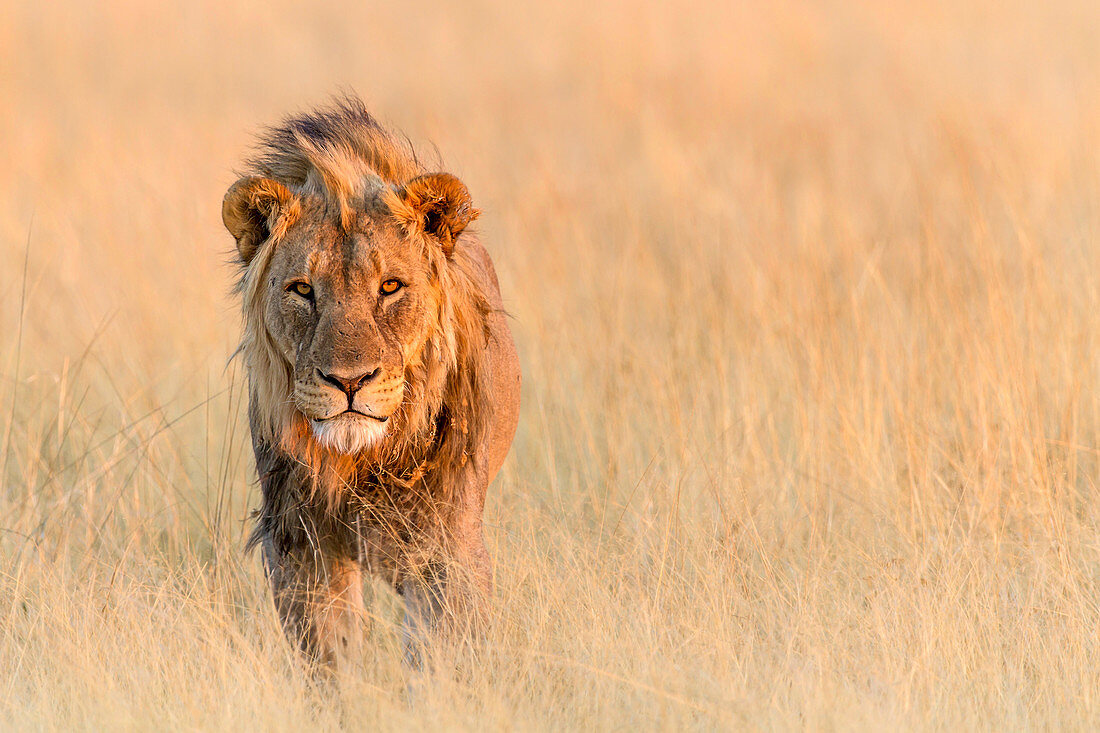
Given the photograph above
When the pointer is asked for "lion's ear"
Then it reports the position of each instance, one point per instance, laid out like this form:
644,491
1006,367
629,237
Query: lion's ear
438,204
254,209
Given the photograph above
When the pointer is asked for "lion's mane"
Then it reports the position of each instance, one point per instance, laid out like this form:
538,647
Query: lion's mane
343,154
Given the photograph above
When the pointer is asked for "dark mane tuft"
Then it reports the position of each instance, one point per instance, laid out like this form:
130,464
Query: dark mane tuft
340,151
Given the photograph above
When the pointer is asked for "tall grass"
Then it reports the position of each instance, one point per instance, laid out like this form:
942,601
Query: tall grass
806,299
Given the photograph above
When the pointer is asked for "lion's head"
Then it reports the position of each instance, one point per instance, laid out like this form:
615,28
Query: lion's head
350,282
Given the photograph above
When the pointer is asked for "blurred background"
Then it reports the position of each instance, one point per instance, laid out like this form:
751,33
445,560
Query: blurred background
805,295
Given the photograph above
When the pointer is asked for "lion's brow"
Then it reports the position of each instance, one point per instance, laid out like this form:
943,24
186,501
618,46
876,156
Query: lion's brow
360,258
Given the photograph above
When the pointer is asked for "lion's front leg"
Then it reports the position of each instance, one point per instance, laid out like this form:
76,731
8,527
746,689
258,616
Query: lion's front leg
319,599
424,610
446,600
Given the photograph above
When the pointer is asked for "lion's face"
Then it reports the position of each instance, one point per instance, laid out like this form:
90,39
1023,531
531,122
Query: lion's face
347,312
347,301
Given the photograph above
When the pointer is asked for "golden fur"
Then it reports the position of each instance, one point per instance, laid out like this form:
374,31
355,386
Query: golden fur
336,195
361,158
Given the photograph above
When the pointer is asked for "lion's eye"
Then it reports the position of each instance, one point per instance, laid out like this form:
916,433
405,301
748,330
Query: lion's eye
300,288
389,287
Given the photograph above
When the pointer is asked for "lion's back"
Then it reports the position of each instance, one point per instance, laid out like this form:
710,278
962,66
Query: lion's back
504,362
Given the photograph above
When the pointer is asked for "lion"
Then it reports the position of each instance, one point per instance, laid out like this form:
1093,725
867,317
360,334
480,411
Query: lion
384,384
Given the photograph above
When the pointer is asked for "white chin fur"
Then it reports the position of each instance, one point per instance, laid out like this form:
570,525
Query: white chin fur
348,433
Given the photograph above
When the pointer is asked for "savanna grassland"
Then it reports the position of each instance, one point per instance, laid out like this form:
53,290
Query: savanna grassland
807,302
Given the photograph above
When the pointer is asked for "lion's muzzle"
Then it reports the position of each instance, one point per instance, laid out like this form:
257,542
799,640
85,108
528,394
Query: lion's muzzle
349,385
349,410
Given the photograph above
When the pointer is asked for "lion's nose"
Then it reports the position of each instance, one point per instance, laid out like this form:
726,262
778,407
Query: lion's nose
348,385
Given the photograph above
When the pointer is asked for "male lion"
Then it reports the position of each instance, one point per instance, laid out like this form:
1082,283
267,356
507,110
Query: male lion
383,381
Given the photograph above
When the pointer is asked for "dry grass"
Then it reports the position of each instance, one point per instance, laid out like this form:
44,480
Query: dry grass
807,306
